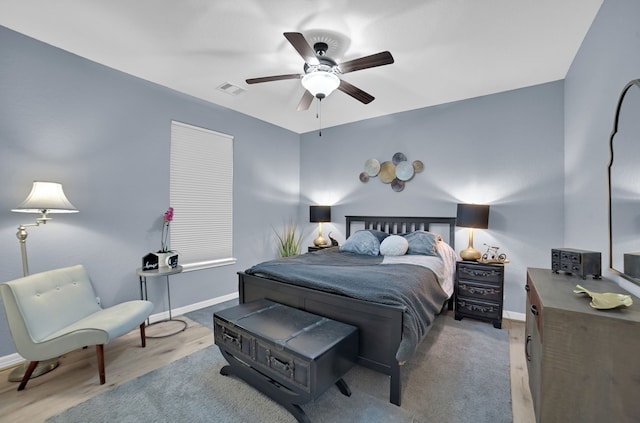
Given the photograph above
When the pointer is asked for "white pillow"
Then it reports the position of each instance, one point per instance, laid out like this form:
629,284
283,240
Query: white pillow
394,245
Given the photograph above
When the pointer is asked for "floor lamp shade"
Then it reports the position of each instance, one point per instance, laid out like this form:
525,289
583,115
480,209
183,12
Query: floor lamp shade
320,214
46,197
472,216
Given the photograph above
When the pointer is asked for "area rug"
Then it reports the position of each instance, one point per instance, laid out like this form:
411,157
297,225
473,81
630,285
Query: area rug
460,373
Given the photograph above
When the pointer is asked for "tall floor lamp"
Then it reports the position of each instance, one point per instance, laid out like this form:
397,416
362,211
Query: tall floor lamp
472,216
44,198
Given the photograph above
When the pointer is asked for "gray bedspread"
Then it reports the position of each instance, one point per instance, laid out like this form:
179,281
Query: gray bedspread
413,287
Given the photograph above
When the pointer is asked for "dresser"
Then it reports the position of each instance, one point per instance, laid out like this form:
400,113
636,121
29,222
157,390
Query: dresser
583,363
478,291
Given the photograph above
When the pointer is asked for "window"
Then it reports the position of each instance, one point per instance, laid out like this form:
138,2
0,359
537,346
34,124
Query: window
201,193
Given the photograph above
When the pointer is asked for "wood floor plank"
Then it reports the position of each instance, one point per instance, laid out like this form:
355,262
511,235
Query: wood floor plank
521,401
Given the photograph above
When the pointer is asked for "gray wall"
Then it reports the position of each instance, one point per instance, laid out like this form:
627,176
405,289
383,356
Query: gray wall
505,150
536,155
606,62
105,135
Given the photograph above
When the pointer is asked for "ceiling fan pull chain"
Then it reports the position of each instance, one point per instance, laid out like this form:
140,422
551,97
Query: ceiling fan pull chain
319,116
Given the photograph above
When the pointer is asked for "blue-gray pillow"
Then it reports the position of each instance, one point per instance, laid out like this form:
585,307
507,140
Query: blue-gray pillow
378,234
422,243
362,242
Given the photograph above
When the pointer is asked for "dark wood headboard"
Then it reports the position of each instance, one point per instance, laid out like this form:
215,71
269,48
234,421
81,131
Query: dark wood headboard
397,225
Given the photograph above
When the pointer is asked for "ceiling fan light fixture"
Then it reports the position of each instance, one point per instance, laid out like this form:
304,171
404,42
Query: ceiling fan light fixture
320,83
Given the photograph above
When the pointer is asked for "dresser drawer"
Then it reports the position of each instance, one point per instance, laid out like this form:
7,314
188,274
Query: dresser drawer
479,290
477,272
535,306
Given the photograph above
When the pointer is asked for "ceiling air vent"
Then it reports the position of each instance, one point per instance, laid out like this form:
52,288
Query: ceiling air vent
231,89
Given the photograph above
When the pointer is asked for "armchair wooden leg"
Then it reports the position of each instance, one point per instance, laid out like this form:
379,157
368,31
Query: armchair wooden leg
143,335
27,375
100,354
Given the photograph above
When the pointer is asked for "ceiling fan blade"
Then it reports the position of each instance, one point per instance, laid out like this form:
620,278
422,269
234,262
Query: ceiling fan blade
305,101
303,48
355,92
378,59
272,78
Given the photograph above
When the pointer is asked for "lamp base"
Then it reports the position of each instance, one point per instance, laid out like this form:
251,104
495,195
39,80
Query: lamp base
470,254
43,367
320,241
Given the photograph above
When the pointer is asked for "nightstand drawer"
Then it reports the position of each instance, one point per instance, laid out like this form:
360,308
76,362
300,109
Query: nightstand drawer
478,308
477,272
481,291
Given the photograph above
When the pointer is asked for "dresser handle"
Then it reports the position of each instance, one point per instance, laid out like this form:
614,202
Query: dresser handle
526,348
534,310
527,288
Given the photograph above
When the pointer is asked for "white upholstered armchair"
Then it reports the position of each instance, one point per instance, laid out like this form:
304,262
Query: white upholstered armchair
54,312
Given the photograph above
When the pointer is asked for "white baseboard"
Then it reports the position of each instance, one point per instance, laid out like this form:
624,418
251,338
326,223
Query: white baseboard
10,360
514,315
15,358
192,307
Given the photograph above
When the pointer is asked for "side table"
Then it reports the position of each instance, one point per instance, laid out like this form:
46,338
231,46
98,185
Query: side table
166,272
311,248
479,291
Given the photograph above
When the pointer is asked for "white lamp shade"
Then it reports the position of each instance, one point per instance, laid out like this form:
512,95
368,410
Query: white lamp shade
46,197
320,83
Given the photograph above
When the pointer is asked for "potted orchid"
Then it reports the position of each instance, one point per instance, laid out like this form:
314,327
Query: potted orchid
166,220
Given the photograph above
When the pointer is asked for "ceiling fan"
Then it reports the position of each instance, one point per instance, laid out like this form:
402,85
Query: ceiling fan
322,74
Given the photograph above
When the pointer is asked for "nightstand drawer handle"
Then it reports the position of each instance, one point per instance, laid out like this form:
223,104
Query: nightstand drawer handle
527,288
526,348
534,310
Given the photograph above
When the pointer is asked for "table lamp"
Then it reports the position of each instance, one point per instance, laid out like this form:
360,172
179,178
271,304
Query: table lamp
472,216
320,214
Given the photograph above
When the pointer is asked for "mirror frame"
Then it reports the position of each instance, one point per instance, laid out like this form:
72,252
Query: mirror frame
634,82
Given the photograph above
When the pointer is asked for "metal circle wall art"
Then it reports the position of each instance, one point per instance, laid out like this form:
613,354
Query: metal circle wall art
387,172
395,172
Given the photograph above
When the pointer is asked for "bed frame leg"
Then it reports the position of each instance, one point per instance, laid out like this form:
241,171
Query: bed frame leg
394,394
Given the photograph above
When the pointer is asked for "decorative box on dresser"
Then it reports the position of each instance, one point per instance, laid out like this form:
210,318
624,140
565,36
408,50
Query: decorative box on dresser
583,363
478,291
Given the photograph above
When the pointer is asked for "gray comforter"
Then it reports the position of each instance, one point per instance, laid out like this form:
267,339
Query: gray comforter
413,287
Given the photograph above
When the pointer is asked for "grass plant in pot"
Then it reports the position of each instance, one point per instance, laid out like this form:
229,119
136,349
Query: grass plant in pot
288,240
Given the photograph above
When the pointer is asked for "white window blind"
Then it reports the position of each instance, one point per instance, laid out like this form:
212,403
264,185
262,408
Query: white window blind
201,193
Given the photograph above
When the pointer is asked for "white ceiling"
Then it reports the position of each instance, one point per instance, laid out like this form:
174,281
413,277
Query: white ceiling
444,50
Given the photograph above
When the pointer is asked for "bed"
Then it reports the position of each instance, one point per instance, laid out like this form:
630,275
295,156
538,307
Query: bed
384,325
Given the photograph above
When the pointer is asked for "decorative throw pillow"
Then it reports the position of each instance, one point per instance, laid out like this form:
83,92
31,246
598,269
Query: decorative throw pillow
362,242
378,234
422,243
394,245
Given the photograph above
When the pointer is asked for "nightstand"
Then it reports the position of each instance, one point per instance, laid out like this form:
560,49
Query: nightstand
316,248
479,291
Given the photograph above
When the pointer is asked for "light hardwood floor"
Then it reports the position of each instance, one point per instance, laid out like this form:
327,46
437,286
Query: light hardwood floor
76,379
